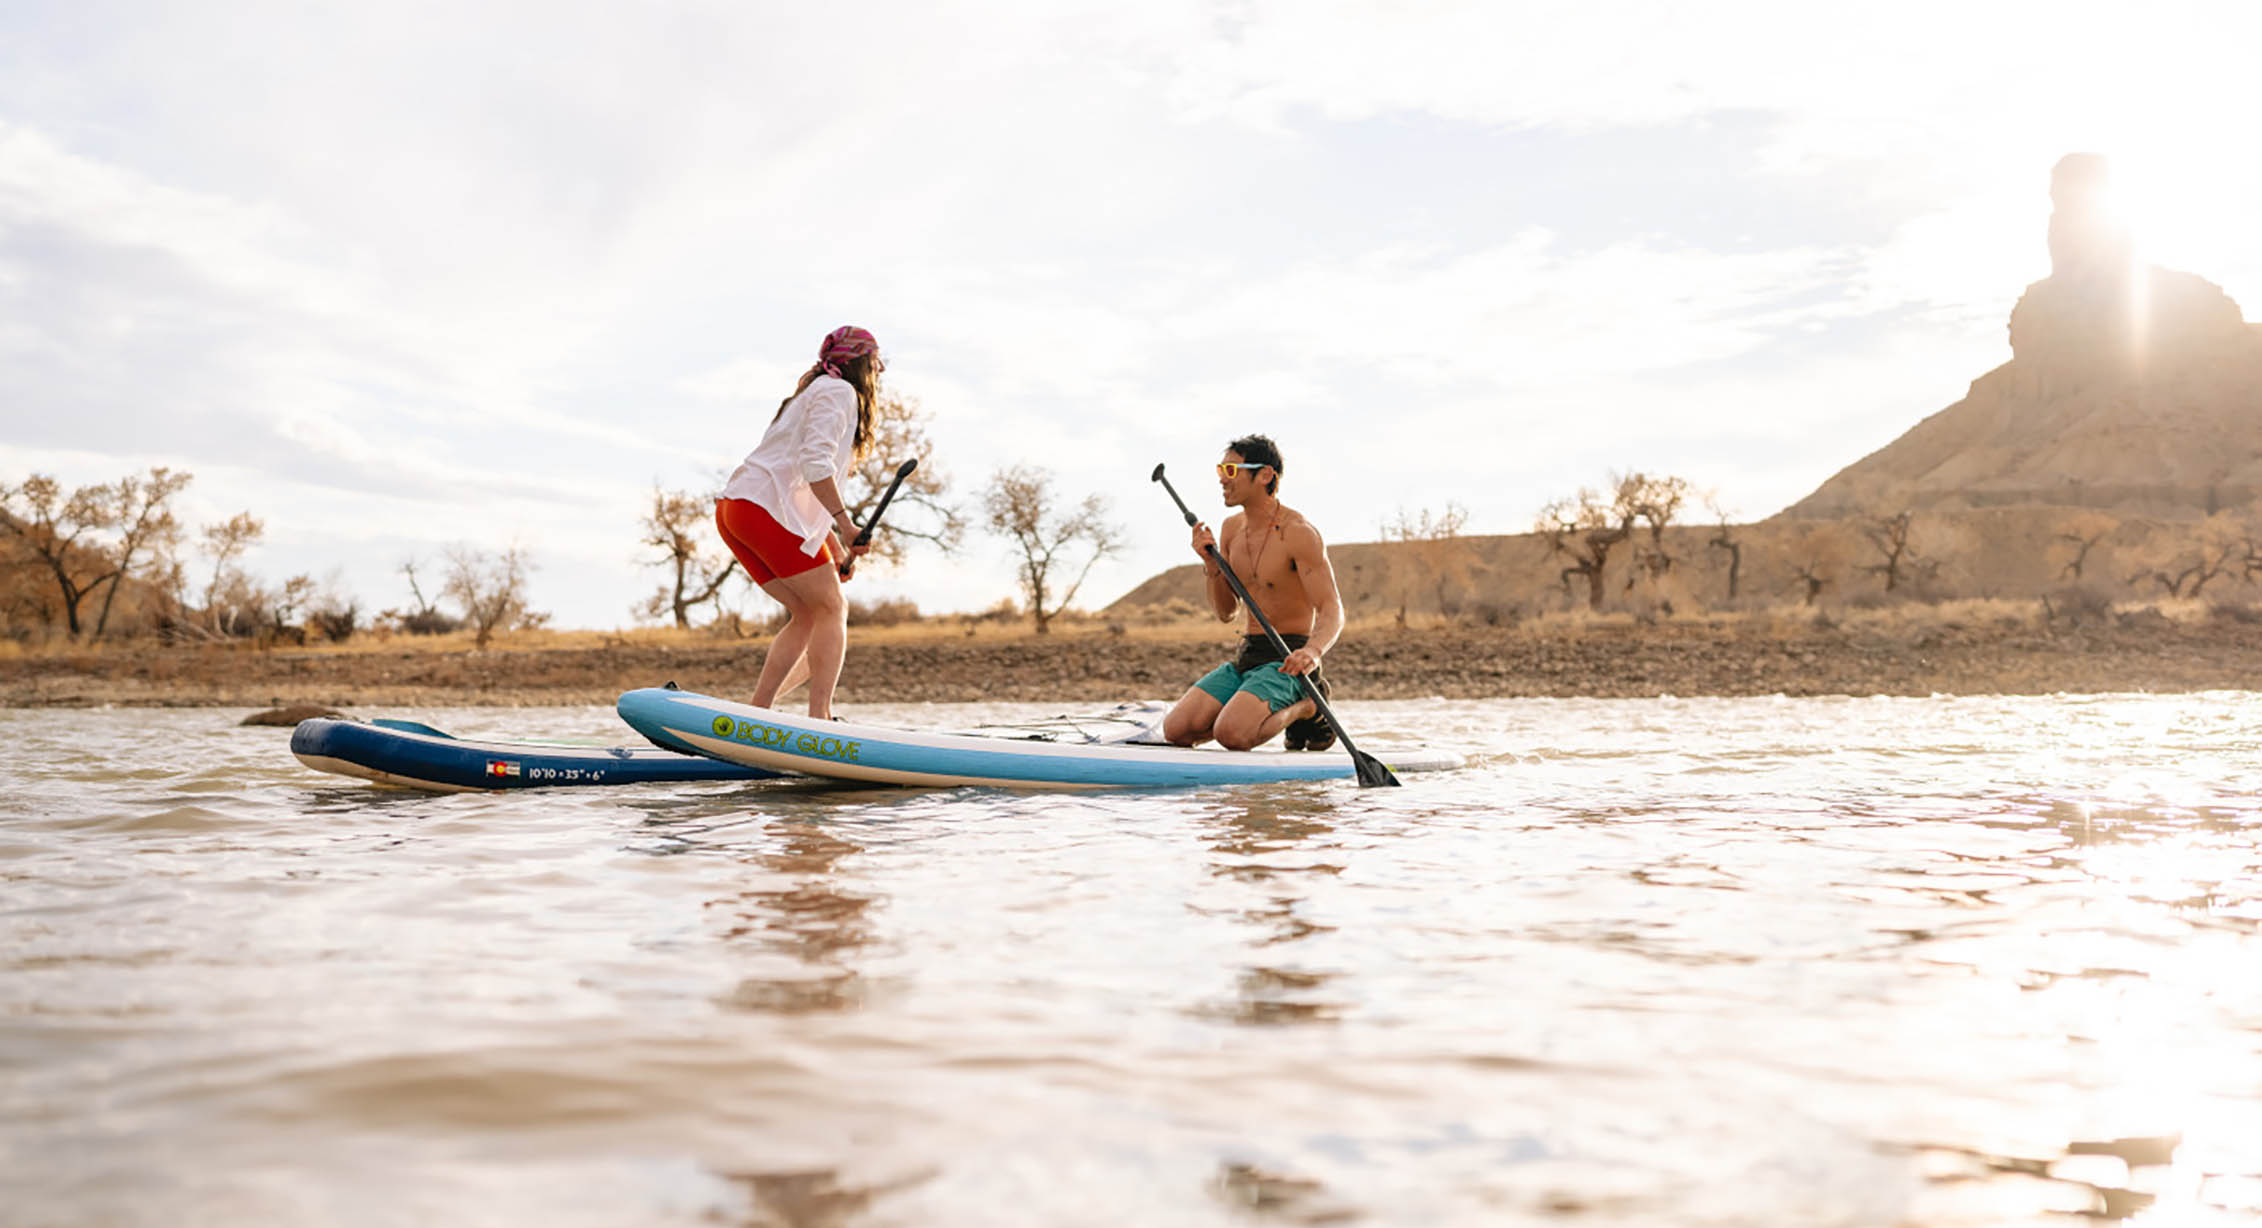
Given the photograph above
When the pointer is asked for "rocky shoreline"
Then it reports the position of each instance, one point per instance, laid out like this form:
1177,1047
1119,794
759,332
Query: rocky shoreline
1605,660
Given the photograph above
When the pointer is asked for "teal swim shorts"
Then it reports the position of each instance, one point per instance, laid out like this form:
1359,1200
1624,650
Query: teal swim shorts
1266,682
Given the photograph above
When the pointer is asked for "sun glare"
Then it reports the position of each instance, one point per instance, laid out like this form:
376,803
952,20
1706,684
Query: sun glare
2189,210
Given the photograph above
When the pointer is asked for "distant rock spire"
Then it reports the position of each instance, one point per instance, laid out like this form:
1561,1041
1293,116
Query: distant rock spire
2100,315
2130,387
2087,237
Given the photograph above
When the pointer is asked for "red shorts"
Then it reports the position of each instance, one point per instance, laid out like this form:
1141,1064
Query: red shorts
766,549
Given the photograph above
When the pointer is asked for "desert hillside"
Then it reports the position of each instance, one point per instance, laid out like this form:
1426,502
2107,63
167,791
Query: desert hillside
2131,388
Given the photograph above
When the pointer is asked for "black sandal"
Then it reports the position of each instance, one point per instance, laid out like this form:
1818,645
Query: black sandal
1312,732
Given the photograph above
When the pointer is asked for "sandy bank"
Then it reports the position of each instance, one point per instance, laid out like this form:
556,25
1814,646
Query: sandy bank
2007,656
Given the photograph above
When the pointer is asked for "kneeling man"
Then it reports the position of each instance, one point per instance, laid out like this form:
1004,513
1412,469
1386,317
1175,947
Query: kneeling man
1283,563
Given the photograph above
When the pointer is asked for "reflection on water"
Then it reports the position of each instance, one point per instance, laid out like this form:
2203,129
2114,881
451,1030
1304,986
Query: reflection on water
1691,962
803,1200
2110,1180
1272,849
806,916
1274,1198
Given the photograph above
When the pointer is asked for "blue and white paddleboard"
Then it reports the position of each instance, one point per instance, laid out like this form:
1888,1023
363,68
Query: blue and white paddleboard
396,752
1119,749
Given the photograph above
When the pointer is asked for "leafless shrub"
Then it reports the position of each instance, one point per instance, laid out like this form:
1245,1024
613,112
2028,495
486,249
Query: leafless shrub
883,612
1488,612
2245,612
335,619
2076,604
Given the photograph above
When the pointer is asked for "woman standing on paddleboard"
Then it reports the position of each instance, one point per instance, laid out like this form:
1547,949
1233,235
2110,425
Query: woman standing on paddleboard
783,515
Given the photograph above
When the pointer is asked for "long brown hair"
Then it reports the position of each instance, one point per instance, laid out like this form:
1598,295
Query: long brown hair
863,375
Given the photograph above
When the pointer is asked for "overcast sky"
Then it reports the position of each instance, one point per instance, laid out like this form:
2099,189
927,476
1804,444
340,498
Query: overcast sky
393,277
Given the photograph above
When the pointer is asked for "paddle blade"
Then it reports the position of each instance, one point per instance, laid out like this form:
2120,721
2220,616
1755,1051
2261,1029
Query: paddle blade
1371,771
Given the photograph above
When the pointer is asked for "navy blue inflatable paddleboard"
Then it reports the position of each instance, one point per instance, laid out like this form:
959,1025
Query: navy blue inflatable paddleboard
415,755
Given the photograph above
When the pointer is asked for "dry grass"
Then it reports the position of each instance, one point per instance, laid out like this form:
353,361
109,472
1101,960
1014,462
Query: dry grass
1903,620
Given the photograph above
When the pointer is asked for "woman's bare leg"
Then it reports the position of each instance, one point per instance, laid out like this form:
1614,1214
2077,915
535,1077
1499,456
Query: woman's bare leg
821,614
795,676
786,657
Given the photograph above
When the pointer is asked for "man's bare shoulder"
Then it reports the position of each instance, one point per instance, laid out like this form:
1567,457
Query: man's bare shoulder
1298,529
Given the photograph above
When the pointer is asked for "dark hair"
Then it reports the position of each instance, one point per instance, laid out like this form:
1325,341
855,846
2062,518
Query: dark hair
860,374
1258,450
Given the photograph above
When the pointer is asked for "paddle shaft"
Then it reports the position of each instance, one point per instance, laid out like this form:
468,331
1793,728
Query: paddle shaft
864,535
1280,645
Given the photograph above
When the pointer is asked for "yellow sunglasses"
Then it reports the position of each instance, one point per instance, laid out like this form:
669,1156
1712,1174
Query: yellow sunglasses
1227,469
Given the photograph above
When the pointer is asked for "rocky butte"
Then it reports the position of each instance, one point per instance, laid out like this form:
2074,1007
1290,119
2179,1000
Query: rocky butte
2130,387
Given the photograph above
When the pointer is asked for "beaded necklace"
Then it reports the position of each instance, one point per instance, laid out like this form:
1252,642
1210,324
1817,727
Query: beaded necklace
1262,542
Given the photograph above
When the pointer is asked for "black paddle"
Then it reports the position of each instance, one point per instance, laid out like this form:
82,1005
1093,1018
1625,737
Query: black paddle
1371,770
864,535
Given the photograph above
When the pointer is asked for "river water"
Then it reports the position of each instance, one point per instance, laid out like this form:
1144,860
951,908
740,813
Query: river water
1691,962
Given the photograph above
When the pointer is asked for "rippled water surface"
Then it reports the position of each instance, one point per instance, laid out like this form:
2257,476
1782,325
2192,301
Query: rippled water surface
1802,962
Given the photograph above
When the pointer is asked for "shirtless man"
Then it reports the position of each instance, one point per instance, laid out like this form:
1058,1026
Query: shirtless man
1283,563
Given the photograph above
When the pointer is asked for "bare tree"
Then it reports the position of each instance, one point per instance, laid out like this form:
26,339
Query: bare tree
1656,501
145,520
2225,544
226,542
2230,539
491,590
923,510
91,541
2186,570
1019,506
679,530
1817,552
2083,534
1724,538
1587,527
1435,549
63,535
1581,528
1889,537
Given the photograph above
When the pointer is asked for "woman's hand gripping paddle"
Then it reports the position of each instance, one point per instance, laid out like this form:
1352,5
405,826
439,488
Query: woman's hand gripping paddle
1371,770
864,535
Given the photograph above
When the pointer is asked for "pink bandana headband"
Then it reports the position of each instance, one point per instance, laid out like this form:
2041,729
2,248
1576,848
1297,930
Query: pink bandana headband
843,344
